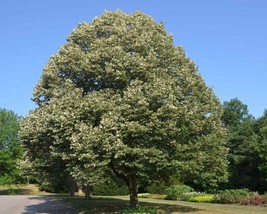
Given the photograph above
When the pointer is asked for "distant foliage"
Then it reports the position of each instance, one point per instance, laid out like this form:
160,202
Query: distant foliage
243,159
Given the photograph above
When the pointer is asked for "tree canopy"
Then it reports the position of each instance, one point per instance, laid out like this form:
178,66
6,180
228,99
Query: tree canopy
120,96
261,150
247,147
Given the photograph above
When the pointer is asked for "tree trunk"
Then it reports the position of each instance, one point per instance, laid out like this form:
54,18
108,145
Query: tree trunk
87,192
72,186
132,184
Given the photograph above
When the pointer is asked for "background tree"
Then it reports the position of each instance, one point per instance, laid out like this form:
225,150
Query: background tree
10,147
242,156
260,128
119,94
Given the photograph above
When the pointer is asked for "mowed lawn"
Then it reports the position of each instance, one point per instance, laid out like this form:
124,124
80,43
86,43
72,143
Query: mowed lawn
23,189
114,204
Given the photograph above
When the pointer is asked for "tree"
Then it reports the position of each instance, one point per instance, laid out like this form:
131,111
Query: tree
10,148
120,95
243,158
261,150
235,113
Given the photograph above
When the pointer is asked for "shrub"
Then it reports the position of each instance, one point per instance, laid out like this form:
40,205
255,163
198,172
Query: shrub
53,187
177,191
157,196
144,195
203,199
232,196
255,200
110,187
140,210
148,195
6,180
156,188
188,195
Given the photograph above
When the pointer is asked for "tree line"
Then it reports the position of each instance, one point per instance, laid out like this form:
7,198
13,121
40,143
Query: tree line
247,146
119,100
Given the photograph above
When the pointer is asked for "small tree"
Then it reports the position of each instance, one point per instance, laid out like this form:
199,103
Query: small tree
120,95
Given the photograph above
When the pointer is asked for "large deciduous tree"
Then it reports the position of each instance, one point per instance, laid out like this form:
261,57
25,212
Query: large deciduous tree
120,95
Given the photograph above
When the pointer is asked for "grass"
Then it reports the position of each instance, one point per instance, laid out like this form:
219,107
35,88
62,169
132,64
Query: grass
113,205
22,189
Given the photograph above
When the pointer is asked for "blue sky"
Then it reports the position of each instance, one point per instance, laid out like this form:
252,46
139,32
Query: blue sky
226,39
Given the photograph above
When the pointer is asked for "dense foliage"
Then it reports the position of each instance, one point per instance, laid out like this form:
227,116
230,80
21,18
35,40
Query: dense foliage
241,139
120,95
10,147
247,147
260,129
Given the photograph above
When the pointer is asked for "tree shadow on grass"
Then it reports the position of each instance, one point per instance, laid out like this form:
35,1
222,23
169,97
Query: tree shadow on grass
97,205
111,205
15,191
48,204
170,208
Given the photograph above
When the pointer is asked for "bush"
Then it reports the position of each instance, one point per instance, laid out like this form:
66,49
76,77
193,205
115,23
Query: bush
157,196
156,188
188,195
48,186
255,200
144,195
6,180
197,197
140,210
110,187
232,196
177,191
203,199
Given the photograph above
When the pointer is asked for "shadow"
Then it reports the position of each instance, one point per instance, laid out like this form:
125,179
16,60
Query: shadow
170,208
49,205
99,205
15,191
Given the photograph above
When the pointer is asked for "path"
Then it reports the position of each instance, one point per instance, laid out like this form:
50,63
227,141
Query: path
34,205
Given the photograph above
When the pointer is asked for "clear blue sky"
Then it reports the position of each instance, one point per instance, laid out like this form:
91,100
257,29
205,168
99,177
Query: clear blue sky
227,39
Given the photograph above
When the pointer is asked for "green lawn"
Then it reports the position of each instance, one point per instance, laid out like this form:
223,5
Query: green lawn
101,205
27,189
114,204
